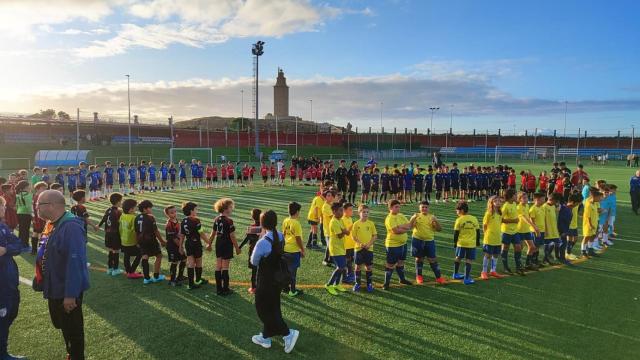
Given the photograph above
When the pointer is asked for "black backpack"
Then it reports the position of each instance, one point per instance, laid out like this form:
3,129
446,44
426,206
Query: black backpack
282,276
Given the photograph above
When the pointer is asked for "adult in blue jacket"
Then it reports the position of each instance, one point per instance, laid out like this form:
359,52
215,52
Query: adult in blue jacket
634,190
65,274
10,246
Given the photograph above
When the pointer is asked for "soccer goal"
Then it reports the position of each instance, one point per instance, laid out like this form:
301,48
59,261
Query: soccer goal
187,154
532,153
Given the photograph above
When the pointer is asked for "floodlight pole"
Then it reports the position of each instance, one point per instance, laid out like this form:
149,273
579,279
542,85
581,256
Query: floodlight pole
78,130
257,51
433,109
241,121
129,105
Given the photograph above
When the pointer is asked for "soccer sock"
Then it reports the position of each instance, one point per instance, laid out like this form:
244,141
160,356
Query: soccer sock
334,276
145,268
358,276
198,273
505,258
218,275
456,267
494,264
181,269
547,251
570,246
369,275
116,260
254,272
419,266
563,249
136,262
34,244
517,256
556,250
528,260
314,239
350,266
173,268
225,279
590,244
485,264
400,271
387,275
535,257
435,267
294,273
309,239
583,247
190,275
109,260
467,270
127,263
156,275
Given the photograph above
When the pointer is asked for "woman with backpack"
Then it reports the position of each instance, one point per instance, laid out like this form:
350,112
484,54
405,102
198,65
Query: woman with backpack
272,277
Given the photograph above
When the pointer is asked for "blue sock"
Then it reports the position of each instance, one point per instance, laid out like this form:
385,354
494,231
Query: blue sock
387,276
435,267
485,264
517,256
400,271
467,270
358,276
456,267
419,266
340,276
494,264
369,277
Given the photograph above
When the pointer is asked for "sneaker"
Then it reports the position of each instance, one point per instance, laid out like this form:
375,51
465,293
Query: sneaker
148,281
251,290
340,288
419,279
571,256
469,281
405,282
520,271
134,276
351,279
109,271
295,293
181,278
356,288
202,281
259,340
158,279
608,243
227,292
290,340
508,270
385,286
457,276
496,275
585,254
116,272
441,280
484,275
331,289
567,263
369,287
193,287
592,253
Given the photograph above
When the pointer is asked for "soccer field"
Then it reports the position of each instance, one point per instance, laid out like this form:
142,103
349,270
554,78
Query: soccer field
589,311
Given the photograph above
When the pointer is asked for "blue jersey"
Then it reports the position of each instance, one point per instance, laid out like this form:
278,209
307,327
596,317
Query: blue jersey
605,206
183,172
164,172
72,179
122,175
454,174
366,180
613,202
428,182
95,179
419,178
45,178
375,179
142,169
471,179
194,170
108,172
132,175
82,176
60,179
439,180
152,173
172,172
200,171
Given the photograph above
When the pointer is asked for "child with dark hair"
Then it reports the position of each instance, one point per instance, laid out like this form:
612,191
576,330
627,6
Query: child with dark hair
175,250
148,237
24,201
466,237
79,210
190,229
293,248
111,222
251,237
128,239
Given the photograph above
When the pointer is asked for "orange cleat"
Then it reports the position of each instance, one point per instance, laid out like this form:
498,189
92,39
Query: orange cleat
496,275
419,279
484,275
441,280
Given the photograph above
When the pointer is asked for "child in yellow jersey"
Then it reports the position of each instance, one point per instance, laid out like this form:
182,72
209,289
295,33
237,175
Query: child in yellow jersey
572,234
128,239
590,222
293,249
491,240
326,216
509,230
466,236
537,216
349,244
337,233
364,235
551,234
423,243
525,228
313,218
397,227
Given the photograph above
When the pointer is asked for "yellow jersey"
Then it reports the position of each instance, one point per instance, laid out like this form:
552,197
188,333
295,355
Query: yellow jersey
509,212
291,229
327,215
574,218
467,225
551,222
364,232
348,239
316,204
492,234
336,244
536,214
391,222
127,230
423,229
590,214
523,213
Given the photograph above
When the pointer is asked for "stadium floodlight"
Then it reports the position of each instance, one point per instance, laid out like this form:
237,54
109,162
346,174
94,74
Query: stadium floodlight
257,50
433,109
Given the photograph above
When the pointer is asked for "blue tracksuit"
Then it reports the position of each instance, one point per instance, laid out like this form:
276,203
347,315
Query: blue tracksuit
9,293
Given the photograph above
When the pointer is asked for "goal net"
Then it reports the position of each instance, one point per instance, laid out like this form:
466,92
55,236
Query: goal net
187,154
532,153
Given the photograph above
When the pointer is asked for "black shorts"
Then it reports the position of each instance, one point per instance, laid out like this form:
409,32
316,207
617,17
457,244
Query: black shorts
385,189
365,190
353,189
131,250
174,254
230,177
350,253
151,248
264,178
292,177
215,179
245,178
193,248
112,240
81,186
342,187
311,222
208,179
224,250
375,188
273,177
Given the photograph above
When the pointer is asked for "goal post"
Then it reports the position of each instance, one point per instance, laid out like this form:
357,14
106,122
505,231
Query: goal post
188,154
531,153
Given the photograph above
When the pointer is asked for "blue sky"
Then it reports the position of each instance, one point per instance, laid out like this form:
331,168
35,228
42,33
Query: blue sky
496,64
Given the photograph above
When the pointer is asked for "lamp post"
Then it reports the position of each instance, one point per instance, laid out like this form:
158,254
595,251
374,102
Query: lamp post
129,106
257,50
241,121
378,133
433,110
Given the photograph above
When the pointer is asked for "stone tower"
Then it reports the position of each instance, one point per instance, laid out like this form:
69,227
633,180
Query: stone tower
281,96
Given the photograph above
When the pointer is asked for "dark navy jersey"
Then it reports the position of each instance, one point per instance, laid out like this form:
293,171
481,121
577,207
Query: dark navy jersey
142,169
183,171
366,179
108,172
82,176
419,177
122,175
164,171
446,179
439,179
111,220
172,172
341,175
145,226
454,174
384,179
60,179
375,179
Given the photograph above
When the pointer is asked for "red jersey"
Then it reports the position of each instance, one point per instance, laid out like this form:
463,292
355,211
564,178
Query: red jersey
210,172
10,216
511,180
273,170
283,173
531,182
246,171
223,171
300,174
230,170
543,182
252,171
292,171
263,170
578,176
214,172
559,186
38,223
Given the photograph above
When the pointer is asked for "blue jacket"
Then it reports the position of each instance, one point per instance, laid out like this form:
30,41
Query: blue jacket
65,268
8,267
634,184
564,220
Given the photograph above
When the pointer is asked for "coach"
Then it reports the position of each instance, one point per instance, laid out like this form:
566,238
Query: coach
634,190
65,274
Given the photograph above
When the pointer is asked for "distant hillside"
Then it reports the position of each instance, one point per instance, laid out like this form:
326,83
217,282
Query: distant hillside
214,123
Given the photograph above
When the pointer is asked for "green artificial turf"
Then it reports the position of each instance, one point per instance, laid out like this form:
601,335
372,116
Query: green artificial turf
590,311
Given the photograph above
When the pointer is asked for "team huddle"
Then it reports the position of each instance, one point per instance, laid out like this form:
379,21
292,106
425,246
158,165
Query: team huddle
543,214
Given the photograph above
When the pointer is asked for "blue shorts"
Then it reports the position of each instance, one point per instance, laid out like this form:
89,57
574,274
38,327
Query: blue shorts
466,253
525,236
350,253
94,187
364,257
539,240
492,249
121,181
152,178
396,253
422,248
132,182
510,239
340,261
109,182
552,241
293,260
572,232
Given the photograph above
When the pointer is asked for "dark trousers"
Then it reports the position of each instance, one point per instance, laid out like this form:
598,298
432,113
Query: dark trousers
24,224
72,326
635,201
269,312
5,323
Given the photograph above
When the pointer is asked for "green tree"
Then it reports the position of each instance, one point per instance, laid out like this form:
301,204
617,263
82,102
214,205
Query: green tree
63,116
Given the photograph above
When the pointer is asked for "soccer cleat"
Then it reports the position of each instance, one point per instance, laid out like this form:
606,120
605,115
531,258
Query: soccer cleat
457,276
295,293
259,340
290,340
520,271
405,282
369,287
340,288
441,280
496,275
592,253
109,271
484,275
331,289
158,279
134,276
608,243
419,279
385,286
585,254
356,288
469,281
116,272
148,281
202,281
350,279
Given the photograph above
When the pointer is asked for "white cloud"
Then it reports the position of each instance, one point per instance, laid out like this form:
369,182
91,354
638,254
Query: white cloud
97,31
